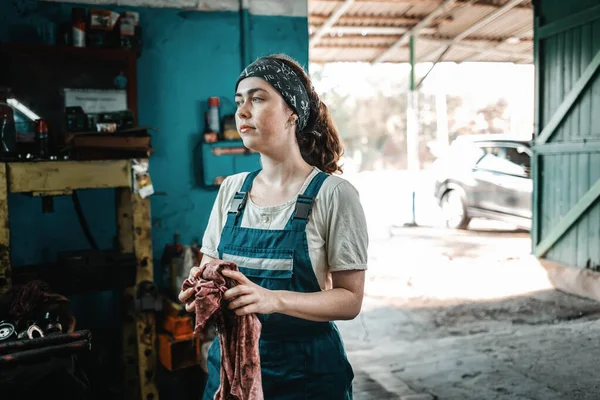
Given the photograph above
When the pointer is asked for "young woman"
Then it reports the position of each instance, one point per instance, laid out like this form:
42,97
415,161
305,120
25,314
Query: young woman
297,233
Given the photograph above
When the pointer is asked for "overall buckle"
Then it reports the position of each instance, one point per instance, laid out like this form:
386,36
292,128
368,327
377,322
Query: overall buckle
303,207
238,203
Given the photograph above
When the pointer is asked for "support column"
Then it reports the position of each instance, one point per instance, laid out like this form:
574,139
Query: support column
139,328
5,267
412,132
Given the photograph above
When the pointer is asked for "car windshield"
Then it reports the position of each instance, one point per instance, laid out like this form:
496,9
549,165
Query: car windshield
506,159
466,152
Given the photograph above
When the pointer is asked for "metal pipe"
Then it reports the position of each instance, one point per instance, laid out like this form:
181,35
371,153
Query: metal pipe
437,61
412,131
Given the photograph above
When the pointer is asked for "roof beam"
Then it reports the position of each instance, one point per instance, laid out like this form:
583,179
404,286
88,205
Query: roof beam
494,15
369,31
391,34
364,31
464,46
314,39
478,48
492,3
526,31
341,45
359,20
487,3
488,19
319,19
337,47
440,10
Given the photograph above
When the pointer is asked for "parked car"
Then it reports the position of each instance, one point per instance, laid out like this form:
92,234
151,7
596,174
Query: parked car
485,176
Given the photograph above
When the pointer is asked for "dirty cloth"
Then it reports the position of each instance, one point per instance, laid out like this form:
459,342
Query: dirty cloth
240,374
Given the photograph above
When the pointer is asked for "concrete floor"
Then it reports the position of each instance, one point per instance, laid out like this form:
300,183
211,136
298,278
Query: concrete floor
468,315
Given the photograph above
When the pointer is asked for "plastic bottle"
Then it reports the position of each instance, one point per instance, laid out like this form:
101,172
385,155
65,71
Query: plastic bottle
79,24
41,138
214,115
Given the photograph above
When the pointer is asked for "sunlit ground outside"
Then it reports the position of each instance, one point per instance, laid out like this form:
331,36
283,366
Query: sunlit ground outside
490,260
465,315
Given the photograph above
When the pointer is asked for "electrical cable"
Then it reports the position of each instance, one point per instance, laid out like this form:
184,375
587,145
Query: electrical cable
83,222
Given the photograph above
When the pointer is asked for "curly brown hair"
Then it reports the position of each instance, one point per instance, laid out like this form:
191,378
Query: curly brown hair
320,143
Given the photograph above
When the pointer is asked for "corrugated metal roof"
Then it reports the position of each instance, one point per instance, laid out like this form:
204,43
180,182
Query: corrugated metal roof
368,28
362,8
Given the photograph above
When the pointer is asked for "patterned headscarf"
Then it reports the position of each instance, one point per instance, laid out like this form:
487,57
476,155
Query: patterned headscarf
285,81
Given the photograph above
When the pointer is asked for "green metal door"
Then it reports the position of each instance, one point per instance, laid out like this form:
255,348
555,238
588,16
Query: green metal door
566,161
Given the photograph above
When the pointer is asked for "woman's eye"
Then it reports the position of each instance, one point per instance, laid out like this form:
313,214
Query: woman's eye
238,103
256,99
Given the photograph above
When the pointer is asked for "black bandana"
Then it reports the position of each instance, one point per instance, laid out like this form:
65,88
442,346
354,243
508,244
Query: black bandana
285,81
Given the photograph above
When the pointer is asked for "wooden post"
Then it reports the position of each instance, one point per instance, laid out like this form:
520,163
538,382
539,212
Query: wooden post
129,342
139,330
5,267
146,322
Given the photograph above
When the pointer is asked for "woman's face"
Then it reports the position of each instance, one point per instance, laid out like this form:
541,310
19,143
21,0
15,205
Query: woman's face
262,117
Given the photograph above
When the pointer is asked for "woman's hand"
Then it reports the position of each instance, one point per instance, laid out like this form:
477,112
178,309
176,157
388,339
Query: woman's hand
250,298
186,296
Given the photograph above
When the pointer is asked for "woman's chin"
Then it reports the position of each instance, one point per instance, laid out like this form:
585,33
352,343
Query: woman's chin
251,143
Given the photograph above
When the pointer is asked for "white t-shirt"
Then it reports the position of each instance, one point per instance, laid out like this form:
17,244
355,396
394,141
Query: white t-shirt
336,230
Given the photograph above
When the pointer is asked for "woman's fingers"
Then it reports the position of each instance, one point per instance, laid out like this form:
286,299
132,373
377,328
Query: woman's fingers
184,295
194,272
190,307
246,310
238,276
237,291
242,301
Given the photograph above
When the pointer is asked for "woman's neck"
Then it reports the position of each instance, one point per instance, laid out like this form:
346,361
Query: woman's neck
284,171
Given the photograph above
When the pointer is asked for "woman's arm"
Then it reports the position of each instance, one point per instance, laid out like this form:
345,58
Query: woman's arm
342,302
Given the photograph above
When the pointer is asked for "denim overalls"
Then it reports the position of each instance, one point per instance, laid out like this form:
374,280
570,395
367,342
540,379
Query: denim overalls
300,359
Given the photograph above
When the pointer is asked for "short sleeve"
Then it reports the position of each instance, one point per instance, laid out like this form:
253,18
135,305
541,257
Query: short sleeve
347,238
212,234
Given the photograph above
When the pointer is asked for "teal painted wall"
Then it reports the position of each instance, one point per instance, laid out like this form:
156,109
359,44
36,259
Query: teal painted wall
184,61
566,177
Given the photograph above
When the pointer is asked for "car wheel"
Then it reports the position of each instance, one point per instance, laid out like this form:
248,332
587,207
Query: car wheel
454,210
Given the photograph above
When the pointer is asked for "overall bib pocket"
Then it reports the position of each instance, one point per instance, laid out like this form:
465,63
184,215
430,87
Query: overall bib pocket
270,268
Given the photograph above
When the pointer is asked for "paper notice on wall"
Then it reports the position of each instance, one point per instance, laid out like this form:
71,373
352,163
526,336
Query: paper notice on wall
96,100
142,184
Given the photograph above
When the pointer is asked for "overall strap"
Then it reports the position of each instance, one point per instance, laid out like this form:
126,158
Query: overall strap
238,203
315,185
304,203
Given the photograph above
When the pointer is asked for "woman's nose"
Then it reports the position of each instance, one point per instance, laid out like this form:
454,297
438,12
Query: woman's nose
243,110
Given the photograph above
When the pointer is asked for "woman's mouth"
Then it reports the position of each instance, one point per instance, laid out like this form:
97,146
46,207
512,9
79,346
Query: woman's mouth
246,128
